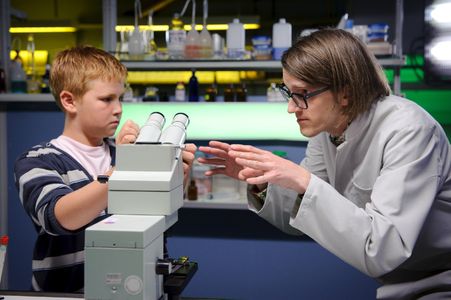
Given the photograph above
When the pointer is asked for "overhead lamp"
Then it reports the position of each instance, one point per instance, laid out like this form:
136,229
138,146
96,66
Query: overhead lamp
211,27
42,29
439,13
437,48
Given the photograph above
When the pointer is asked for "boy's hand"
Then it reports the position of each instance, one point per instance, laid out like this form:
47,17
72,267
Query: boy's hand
128,134
188,158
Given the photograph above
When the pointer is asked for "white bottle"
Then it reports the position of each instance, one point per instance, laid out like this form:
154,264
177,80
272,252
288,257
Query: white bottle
180,92
281,38
176,38
235,39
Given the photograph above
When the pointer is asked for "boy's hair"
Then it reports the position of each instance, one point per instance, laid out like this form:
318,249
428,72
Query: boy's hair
339,60
72,70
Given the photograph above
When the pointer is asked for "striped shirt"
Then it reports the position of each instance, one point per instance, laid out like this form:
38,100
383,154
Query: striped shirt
43,175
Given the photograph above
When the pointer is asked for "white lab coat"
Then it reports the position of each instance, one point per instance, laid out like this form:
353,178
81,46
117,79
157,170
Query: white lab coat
380,201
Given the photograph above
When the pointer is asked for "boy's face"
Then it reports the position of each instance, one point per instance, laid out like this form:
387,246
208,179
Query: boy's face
99,110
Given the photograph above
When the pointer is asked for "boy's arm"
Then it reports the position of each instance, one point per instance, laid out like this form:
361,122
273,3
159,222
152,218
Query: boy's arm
79,208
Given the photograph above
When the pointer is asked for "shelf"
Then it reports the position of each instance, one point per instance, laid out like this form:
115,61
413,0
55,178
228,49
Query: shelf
203,65
14,98
262,65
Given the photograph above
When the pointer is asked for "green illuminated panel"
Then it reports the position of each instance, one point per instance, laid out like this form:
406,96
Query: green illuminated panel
224,121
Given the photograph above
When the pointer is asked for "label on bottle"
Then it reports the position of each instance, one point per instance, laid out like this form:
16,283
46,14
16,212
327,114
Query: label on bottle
176,43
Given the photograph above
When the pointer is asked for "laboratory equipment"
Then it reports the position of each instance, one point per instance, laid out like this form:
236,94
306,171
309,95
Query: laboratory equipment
124,253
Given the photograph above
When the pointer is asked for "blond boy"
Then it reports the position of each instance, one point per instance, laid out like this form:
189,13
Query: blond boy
57,180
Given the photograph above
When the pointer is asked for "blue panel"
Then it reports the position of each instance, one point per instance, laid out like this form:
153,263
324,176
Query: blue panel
25,129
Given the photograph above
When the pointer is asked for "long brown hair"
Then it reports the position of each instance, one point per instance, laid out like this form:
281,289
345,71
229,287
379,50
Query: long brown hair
339,60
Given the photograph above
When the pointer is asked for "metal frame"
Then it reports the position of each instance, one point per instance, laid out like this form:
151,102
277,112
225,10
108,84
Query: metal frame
5,44
109,25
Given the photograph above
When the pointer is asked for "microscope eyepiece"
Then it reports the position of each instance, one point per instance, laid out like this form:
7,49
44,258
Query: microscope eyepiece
151,131
175,133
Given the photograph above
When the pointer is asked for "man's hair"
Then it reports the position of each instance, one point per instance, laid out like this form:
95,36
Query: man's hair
339,60
72,70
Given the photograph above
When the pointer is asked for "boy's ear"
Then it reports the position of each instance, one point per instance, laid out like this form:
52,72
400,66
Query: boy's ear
67,101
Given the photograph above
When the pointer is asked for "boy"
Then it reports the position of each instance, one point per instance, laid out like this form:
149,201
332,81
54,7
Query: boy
57,180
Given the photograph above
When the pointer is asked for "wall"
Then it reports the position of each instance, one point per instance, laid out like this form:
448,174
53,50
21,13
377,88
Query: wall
240,256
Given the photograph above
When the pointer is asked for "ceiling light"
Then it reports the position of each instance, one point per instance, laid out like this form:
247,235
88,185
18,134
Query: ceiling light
41,29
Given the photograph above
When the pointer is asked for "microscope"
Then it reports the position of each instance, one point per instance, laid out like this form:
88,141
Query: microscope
125,253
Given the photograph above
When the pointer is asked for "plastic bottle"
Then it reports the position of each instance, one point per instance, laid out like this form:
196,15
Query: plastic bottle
136,43
151,94
235,39
229,94
128,94
206,44
193,88
281,38
180,92
176,38
192,44
273,94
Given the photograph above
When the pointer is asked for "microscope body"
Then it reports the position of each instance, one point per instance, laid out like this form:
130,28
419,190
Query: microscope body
122,251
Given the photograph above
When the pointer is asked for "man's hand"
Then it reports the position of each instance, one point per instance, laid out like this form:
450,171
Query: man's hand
128,134
225,164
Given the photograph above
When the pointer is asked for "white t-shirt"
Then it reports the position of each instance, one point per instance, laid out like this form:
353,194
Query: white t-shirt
96,160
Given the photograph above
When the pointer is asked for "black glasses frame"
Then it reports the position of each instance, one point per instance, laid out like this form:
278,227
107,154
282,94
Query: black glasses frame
299,99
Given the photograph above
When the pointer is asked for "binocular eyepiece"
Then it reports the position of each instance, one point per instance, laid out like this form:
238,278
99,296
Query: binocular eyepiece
175,133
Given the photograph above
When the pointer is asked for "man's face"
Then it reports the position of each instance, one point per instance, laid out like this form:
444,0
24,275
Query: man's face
99,110
324,110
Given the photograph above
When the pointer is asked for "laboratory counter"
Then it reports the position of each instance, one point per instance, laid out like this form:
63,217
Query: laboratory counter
29,295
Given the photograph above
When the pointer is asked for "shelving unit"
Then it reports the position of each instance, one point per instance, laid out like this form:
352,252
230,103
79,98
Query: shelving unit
395,62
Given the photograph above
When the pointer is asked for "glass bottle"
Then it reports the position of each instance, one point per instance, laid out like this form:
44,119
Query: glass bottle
45,82
192,190
229,93
241,93
2,81
33,85
17,75
210,93
193,88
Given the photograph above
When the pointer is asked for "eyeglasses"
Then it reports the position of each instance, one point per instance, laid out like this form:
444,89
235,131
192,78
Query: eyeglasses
299,99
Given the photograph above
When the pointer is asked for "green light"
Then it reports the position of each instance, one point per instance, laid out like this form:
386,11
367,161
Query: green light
224,121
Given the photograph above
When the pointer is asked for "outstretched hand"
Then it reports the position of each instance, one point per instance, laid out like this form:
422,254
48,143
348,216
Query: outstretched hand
269,168
223,162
